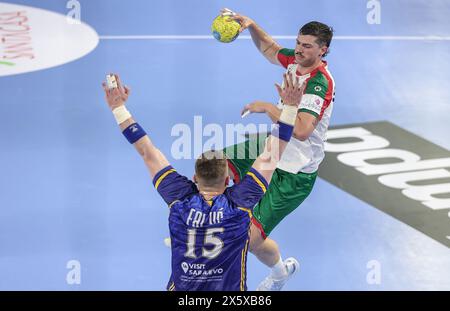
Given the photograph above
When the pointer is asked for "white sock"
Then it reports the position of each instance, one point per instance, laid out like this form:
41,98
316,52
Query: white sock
279,270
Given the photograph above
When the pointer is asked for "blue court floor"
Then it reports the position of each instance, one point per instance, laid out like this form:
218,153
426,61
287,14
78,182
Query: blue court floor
73,191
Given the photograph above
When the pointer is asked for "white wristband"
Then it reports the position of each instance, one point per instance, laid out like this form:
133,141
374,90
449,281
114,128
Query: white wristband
121,114
289,114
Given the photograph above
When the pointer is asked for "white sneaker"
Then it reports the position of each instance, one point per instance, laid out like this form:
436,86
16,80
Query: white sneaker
167,242
271,284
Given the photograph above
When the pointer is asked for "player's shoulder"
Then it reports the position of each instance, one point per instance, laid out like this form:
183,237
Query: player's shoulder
192,200
286,52
320,77
227,196
320,84
286,57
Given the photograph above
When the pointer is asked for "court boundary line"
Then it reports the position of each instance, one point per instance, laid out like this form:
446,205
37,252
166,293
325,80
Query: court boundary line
246,37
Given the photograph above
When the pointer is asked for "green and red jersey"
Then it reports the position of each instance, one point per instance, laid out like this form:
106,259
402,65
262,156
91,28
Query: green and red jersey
305,156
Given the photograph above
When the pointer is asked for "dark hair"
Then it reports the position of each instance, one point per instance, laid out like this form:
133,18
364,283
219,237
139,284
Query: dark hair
211,167
322,32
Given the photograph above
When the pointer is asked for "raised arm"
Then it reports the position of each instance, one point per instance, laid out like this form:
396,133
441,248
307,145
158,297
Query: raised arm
291,94
263,42
116,97
305,125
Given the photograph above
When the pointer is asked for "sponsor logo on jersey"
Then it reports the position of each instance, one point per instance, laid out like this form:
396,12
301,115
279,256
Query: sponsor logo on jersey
184,266
192,271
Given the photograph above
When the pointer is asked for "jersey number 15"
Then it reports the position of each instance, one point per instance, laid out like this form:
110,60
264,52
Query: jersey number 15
210,239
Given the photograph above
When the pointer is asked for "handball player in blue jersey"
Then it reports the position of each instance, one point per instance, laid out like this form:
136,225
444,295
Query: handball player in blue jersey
209,222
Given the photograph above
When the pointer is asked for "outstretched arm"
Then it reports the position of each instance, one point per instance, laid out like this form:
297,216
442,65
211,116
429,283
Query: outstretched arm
291,94
305,125
116,97
263,42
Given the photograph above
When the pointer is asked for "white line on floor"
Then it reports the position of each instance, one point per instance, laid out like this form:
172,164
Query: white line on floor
242,37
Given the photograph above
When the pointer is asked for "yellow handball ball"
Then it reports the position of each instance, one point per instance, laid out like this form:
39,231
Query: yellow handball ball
225,29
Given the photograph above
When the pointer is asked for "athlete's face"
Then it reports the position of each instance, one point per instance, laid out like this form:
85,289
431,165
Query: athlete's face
307,51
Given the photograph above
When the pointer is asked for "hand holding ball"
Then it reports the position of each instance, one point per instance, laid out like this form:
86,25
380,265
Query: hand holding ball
225,29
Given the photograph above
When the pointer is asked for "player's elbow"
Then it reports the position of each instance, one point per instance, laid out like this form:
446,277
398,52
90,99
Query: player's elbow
271,54
301,134
266,161
302,130
272,60
147,152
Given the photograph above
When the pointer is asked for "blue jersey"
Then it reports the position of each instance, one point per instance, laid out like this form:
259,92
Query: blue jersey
209,238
